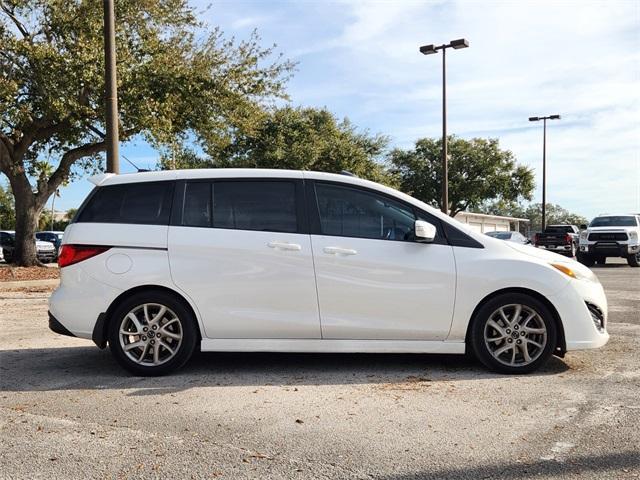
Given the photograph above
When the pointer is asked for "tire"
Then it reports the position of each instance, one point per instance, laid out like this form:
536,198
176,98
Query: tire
539,339
634,260
586,260
176,328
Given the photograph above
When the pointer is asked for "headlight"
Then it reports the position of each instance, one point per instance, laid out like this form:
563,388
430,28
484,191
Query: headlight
583,235
633,235
574,273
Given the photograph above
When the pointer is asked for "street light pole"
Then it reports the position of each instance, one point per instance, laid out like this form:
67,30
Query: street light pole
428,50
445,140
544,163
111,88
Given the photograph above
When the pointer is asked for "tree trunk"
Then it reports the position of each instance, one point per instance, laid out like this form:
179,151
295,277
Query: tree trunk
27,216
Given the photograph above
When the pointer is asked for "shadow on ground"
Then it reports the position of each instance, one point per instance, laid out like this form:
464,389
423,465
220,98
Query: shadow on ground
72,368
622,464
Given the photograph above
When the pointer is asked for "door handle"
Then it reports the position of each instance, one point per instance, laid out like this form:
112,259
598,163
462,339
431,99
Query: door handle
339,251
285,246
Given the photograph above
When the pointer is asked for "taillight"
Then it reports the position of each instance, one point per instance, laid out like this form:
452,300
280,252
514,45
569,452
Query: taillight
568,239
536,237
70,254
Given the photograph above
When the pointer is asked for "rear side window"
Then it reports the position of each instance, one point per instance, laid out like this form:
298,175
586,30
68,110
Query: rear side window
142,203
255,205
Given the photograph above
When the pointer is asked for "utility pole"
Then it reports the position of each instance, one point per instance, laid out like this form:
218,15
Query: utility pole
111,88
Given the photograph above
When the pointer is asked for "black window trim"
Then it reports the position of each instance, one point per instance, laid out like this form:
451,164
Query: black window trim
96,189
314,217
301,208
444,229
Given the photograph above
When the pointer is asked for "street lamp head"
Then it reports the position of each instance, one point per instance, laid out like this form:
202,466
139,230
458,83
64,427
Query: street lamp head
534,119
428,49
554,117
460,43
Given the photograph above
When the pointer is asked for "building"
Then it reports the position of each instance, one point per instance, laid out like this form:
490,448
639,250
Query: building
483,223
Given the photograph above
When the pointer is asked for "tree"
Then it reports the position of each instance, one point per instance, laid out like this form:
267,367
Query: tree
175,82
7,209
298,139
556,215
478,171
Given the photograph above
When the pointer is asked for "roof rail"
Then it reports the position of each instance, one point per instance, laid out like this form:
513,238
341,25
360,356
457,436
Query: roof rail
348,173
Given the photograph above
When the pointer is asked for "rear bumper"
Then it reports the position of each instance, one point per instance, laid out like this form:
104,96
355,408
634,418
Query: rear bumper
562,249
79,300
57,327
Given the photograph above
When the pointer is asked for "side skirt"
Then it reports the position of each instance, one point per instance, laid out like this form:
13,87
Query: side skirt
330,346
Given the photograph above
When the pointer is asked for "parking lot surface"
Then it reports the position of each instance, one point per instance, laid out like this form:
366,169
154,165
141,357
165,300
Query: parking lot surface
68,411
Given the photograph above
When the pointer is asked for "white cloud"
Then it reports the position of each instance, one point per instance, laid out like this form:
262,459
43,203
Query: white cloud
580,59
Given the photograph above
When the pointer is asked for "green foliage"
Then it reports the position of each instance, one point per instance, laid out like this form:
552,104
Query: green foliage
478,171
176,81
297,139
7,209
556,215
44,222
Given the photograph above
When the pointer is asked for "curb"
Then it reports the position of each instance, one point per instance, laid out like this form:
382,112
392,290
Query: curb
49,282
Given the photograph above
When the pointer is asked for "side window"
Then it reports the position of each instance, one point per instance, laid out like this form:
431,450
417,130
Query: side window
255,205
351,212
143,203
196,210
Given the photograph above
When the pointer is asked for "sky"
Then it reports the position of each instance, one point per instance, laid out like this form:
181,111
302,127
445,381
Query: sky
360,59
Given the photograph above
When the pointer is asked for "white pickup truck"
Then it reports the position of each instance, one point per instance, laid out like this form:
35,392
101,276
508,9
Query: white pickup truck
611,236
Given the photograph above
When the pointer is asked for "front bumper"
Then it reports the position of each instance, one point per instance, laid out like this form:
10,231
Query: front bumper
46,256
609,249
575,304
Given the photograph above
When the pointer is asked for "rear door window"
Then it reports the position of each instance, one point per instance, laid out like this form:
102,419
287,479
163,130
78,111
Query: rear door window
255,205
141,203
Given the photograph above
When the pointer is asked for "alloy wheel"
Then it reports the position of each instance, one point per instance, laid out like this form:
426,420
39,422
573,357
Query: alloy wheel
515,335
150,334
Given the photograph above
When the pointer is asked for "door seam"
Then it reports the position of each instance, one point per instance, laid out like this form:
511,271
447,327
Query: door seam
315,277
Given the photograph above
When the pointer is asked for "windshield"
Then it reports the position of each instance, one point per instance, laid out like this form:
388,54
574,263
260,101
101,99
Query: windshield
619,221
500,235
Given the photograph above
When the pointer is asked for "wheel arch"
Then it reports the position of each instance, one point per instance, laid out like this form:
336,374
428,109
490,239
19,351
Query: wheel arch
101,328
561,346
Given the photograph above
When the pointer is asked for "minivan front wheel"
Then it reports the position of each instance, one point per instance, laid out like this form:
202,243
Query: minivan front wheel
152,333
513,333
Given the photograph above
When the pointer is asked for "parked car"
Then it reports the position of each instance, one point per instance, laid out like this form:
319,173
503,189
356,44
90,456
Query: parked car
611,236
45,251
288,261
52,236
562,239
515,237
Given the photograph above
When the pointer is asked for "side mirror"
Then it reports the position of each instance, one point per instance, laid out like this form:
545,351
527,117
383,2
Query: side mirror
425,232
583,227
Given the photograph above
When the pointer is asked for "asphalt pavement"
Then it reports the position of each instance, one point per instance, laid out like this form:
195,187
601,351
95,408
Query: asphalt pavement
68,411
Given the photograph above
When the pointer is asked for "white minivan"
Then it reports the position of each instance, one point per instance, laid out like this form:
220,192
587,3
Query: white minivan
156,264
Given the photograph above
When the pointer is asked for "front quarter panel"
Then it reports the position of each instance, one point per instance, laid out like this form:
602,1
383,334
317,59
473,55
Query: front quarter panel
481,272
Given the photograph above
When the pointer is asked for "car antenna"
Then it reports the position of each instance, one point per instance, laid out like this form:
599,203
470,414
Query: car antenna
103,136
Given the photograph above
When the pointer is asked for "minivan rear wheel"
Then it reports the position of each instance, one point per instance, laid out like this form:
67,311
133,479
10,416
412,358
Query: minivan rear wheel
513,333
152,333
